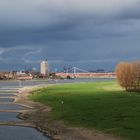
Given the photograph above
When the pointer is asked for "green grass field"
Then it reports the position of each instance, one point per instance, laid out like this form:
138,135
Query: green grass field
101,105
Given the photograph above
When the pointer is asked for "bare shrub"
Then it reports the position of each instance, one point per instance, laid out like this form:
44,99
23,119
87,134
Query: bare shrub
128,75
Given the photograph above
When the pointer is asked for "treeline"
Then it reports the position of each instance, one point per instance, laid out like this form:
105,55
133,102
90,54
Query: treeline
128,75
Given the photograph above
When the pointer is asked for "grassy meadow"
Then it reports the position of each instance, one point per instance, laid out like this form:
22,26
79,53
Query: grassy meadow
101,105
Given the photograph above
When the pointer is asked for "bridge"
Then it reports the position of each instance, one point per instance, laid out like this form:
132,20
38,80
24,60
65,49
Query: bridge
80,73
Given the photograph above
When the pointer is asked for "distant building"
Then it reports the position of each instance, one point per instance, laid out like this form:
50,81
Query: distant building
7,75
23,76
44,67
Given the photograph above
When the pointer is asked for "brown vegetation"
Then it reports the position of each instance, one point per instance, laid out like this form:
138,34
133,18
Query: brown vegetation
128,75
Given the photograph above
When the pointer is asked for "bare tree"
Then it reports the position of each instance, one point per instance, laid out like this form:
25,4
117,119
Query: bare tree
128,75
135,66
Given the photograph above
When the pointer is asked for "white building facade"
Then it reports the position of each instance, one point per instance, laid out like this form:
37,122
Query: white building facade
44,67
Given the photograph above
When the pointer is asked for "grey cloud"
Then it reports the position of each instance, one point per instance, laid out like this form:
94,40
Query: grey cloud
42,13
90,34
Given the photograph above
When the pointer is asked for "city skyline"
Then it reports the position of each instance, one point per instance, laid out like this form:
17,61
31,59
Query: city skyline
86,34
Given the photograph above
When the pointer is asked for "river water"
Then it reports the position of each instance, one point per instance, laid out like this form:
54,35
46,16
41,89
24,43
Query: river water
12,85
14,132
20,133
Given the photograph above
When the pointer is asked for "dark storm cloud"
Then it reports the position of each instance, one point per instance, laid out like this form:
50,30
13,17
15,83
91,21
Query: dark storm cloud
88,34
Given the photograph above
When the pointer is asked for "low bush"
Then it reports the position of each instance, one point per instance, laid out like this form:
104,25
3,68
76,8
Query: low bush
128,75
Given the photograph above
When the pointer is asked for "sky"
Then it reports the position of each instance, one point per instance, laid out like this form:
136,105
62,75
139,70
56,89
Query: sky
88,34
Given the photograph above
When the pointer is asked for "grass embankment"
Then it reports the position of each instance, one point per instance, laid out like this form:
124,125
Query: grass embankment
101,105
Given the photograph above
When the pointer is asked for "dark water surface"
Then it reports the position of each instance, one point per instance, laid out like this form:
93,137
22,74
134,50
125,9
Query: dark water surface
8,116
6,99
9,88
20,133
14,132
16,84
11,107
6,94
